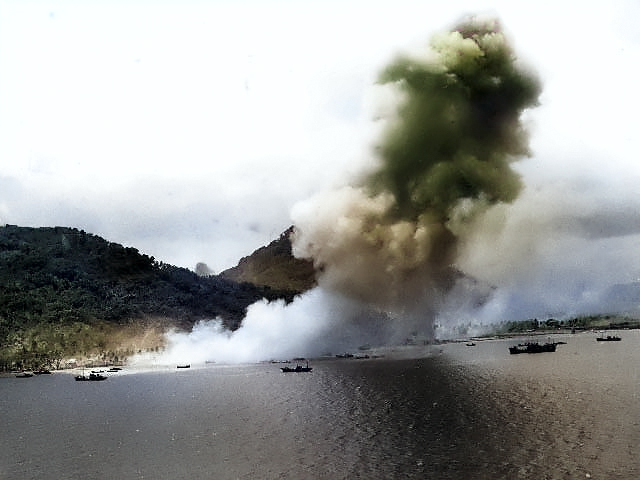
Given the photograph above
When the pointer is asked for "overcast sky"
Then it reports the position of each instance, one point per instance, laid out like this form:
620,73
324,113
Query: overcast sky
190,129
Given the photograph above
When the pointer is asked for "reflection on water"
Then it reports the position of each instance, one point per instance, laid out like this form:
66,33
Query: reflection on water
466,412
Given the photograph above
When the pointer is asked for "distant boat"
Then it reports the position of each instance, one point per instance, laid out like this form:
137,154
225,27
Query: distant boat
608,338
297,369
24,375
184,366
532,347
471,344
93,377
344,355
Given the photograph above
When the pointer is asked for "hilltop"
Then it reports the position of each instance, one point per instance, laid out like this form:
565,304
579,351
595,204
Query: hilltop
274,266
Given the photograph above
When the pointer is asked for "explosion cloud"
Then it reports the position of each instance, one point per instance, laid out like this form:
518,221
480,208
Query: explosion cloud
390,240
385,247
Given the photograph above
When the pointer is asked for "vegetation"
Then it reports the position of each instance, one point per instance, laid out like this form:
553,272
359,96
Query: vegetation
66,292
585,322
49,346
274,266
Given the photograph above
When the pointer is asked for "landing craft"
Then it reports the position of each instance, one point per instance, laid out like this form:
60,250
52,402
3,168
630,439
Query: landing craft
297,369
93,377
532,347
608,338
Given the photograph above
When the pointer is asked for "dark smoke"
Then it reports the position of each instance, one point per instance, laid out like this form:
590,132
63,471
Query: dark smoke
385,247
458,127
390,240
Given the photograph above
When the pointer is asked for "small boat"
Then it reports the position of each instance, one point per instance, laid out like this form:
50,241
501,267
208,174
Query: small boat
532,347
93,377
344,355
24,375
184,366
608,338
297,369
471,344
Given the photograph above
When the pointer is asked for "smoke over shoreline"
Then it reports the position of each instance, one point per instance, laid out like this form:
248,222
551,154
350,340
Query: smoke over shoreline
315,324
439,232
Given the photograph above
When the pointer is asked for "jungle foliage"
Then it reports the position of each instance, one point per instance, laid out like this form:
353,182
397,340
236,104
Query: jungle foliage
62,280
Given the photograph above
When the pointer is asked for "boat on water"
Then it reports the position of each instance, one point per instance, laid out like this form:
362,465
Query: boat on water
471,344
24,375
93,377
184,366
533,347
608,338
297,369
344,355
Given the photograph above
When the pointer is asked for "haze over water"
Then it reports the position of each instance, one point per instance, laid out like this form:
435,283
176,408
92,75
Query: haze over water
449,411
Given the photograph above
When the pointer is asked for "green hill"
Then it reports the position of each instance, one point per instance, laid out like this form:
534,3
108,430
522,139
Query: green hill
64,291
275,267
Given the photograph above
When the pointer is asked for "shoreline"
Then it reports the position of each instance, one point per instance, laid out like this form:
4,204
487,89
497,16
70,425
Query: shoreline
394,352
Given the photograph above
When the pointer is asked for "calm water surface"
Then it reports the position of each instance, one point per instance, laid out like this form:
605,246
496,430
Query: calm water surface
454,412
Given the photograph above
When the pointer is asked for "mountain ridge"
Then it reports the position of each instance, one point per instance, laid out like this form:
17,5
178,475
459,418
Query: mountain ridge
65,290
274,266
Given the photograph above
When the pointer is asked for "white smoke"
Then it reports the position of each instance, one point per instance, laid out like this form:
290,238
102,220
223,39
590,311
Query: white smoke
559,251
317,323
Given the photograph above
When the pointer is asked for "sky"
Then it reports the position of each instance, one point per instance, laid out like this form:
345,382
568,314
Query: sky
192,130
189,129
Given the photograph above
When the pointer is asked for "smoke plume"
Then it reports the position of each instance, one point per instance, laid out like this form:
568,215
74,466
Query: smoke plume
385,246
390,240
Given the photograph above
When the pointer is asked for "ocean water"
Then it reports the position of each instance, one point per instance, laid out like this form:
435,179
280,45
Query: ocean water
449,411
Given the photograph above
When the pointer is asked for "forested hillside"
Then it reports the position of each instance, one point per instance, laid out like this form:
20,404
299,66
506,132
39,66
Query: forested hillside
274,266
57,285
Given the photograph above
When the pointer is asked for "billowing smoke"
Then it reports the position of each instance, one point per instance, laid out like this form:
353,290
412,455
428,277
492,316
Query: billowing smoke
391,239
317,323
385,246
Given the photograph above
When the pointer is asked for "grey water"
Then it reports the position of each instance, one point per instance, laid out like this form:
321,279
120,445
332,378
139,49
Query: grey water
452,412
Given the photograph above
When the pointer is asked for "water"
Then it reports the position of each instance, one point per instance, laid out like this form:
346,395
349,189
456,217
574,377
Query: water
448,412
